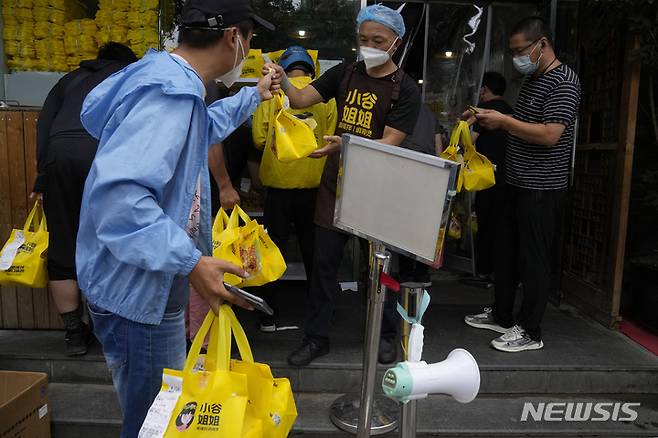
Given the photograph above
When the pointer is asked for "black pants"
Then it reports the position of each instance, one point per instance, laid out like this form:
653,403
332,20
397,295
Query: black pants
329,249
285,208
488,206
528,232
66,168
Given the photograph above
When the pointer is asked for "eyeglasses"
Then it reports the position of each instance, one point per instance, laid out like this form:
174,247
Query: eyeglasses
517,52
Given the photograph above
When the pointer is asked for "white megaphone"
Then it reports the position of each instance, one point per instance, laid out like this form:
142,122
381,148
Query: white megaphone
458,375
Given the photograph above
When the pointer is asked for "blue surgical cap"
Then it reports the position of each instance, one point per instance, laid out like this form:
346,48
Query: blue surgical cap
382,15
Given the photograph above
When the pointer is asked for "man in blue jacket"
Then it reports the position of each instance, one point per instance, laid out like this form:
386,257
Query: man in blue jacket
145,223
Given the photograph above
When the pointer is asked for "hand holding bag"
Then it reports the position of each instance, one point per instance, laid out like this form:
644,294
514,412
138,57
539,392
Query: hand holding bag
23,258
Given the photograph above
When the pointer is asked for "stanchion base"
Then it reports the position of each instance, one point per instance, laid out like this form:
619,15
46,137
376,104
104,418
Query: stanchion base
344,413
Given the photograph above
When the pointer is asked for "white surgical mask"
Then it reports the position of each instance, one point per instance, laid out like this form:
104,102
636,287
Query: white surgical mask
375,57
233,75
524,65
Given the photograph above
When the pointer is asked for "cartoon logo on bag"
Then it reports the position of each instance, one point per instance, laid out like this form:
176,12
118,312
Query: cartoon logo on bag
186,416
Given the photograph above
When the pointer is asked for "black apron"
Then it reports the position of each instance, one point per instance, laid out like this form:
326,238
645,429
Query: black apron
363,103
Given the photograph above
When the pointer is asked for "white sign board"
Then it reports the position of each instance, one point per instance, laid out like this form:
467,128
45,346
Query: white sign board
395,196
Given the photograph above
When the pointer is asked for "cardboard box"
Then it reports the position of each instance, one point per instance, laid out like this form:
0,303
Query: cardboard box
24,411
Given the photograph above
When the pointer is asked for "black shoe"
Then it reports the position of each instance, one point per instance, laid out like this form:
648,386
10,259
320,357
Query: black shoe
78,340
307,352
388,352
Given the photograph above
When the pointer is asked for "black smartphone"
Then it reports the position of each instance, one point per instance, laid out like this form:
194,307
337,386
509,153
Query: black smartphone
257,302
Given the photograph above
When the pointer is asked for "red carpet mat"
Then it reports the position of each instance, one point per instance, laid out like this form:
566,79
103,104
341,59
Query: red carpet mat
638,334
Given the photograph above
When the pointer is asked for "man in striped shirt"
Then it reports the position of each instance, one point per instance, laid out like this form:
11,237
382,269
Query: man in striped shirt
538,158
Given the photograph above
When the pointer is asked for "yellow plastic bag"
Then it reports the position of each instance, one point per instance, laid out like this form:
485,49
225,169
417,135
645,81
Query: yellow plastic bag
218,227
478,172
212,399
293,138
271,400
250,247
23,258
253,64
452,153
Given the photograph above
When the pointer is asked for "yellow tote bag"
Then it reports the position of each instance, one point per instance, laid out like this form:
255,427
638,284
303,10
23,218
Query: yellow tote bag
218,227
23,257
250,247
271,400
213,401
293,138
478,171
452,153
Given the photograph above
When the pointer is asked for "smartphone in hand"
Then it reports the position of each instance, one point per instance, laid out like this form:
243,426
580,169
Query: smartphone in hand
257,302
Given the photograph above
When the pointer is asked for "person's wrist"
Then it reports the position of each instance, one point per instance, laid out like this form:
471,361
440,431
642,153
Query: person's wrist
285,83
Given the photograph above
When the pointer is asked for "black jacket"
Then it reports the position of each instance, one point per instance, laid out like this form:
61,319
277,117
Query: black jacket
60,114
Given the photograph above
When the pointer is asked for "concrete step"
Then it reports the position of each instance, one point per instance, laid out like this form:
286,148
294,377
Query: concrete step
580,357
92,410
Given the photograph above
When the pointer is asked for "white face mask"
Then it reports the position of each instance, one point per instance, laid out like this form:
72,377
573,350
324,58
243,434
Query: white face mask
233,75
375,57
524,65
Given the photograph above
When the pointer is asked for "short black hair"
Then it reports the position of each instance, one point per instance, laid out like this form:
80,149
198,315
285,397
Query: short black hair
495,82
202,38
116,52
533,28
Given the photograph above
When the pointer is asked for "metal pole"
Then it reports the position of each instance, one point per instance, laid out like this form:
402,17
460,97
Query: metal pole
366,414
412,294
380,261
425,48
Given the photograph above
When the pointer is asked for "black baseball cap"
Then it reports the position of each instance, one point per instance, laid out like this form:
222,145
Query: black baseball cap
219,14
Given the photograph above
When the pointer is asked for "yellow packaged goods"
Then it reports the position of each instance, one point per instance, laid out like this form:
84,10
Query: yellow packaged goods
85,26
104,17
17,4
20,49
249,247
215,396
119,33
50,47
19,32
58,4
143,34
50,15
23,258
77,44
143,5
44,29
17,15
143,19
116,5
120,18
52,63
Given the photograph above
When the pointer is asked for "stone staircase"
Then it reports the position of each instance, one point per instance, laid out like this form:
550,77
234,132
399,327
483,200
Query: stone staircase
582,362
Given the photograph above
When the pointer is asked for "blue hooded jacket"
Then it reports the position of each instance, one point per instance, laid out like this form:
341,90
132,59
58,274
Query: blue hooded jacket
154,133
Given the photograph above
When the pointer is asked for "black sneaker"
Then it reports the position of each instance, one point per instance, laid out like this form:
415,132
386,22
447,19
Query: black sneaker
387,351
307,352
78,340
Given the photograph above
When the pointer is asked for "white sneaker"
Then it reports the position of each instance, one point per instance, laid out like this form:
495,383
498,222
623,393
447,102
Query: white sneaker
484,320
514,340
